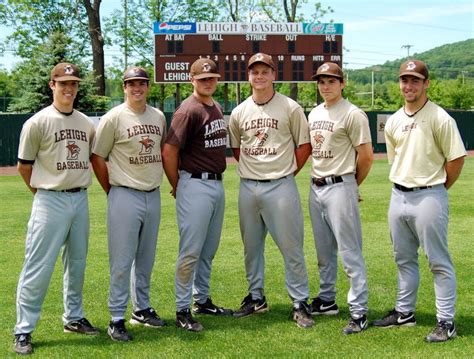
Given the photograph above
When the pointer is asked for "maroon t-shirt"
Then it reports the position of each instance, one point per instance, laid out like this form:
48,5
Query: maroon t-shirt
200,131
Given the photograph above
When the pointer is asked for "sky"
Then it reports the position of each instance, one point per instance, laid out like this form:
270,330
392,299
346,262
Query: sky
374,31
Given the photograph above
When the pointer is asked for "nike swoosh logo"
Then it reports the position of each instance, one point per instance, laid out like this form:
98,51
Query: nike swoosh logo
363,324
140,317
324,307
184,325
212,310
451,332
258,307
401,320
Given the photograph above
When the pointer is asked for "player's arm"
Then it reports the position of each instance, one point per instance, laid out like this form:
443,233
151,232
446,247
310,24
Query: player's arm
365,157
25,170
453,170
301,154
236,153
100,169
170,155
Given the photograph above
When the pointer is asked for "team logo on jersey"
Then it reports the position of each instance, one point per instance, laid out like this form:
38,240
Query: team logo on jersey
318,139
261,137
147,145
72,150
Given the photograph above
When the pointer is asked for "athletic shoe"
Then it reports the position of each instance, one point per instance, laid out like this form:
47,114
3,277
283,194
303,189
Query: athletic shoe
147,317
251,306
118,332
81,326
356,325
23,344
185,320
302,316
210,308
319,306
442,332
396,319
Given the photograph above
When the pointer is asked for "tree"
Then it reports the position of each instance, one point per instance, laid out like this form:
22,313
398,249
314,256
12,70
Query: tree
97,43
32,78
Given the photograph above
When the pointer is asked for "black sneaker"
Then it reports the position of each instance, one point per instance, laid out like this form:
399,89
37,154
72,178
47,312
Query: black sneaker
251,306
185,320
118,332
356,325
302,316
81,326
442,332
210,308
396,319
23,344
147,317
319,306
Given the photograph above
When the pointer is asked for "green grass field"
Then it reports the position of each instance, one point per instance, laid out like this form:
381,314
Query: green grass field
266,335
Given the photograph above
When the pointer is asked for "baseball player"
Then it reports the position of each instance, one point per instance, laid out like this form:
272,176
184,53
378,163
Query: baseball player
53,160
341,159
426,154
194,160
269,137
130,136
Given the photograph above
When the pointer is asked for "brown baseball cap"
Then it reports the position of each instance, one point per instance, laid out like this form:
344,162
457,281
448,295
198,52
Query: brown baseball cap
415,68
328,69
204,68
135,73
65,71
262,58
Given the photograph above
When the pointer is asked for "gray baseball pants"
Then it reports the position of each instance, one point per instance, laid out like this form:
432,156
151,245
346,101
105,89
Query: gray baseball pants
200,205
133,222
273,207
58,220
335,218
420,218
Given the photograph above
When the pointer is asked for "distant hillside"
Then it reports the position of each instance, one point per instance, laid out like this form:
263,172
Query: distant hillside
448,61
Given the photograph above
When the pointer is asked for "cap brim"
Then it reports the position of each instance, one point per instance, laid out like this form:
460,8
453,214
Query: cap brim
414,74
316,77
67,78
136,78
205,76
260,62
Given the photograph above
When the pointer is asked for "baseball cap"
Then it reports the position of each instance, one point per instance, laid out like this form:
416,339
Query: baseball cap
135,73
261,58
328,69
204,68
65,71
415,68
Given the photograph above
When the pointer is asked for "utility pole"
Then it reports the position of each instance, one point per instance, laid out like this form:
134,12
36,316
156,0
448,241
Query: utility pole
408,49
125,31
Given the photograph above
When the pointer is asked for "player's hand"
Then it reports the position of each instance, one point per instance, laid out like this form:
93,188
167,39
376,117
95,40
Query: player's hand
173,192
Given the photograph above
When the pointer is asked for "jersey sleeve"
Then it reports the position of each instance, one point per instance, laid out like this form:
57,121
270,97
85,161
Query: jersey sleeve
299,126
234,130
179,129
449,140
30,141
358,128
105,136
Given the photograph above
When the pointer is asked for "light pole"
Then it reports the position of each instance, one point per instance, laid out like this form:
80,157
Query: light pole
408,49
374,69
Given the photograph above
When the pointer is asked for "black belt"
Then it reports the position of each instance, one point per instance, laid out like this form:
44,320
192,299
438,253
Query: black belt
320,182
208,176
71,190
140,190
412,189
265,180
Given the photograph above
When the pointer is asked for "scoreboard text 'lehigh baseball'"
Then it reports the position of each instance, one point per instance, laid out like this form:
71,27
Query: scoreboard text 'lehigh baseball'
298,49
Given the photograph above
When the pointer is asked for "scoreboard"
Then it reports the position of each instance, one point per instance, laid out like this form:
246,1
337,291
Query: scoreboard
298,49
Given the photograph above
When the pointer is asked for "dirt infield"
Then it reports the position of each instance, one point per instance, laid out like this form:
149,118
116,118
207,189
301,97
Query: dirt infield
12,171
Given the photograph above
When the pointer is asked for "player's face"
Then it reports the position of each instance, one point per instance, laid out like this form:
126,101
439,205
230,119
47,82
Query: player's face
136,91
261,77
64,92
413,88
205,87
330,89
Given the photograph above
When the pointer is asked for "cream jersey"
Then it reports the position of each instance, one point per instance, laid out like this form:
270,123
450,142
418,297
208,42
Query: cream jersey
335,132
132,144
419,146
267,137
60,146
